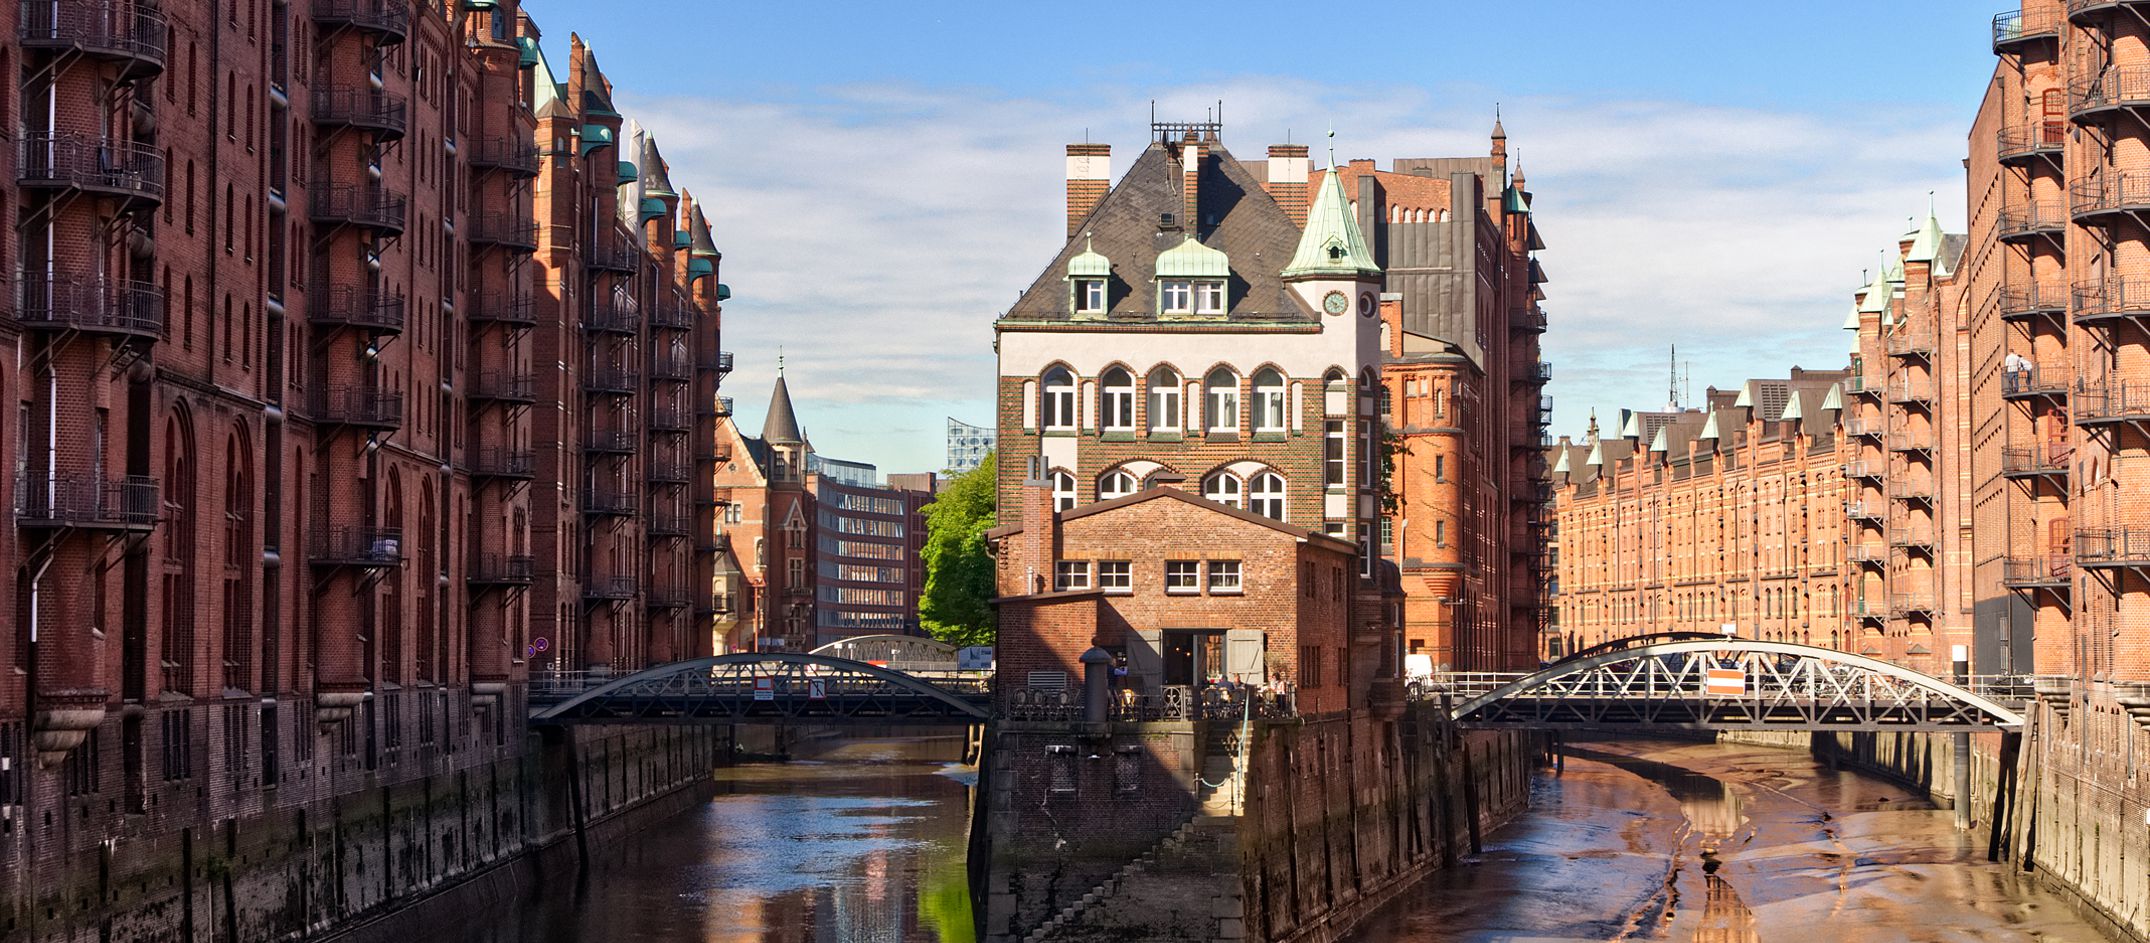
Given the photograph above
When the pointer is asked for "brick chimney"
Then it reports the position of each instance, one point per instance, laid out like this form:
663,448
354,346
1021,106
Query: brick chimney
1039,545
1192,150
1287,183
1089,177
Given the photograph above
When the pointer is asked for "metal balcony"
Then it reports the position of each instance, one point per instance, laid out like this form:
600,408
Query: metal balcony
1909,391
495,569
1909,489
1863,428
613,315
2113,197
500,386
2118,88
360,406
67,161
348,545
45,500
670,369
509,154
606,442
2013,29
2085,9
2032,461
1865,511
611,382
2113,548
1537,373
1908,441
669,419
1911,344
513,309
508,464
672,315
388,21
721,366
2048,380
361,308
610,588
128,34
1860,386
1526,320
1872,554
2048,219
368,109
1911,538
503,230
2104,402
91,305
2021,302
614,251
665,525
667,472
2033,139
2112,301
606,502
666,597
2051,571
1864,469
370,207
721,406
1911,604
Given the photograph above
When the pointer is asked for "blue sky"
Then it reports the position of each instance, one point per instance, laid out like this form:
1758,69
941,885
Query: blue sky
882,182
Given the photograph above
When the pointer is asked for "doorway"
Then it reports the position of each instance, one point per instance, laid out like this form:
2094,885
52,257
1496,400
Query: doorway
1193,657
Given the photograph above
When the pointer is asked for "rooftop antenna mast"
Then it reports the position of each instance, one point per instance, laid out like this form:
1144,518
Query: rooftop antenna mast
1672,387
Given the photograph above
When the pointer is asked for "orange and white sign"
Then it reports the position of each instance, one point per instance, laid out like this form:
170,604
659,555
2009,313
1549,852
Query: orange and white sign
1725,682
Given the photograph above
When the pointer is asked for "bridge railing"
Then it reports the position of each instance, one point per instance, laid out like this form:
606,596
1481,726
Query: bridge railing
1677,680
553,687
1173,702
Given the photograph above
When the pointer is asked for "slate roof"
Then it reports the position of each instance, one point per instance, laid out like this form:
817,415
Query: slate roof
782,425
1234,215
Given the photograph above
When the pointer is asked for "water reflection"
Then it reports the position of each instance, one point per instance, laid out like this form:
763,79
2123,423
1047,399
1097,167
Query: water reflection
862,845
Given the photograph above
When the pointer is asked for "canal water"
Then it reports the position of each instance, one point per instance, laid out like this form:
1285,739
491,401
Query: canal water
1681,842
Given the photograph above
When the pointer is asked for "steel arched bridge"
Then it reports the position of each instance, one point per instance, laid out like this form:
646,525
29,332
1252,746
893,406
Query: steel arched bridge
772,687
1730,684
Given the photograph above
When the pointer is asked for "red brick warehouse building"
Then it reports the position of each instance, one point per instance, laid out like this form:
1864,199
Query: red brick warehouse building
356,350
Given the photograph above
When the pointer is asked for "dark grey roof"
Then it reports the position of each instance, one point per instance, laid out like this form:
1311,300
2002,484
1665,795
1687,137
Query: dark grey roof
758,451
782,426
1234,215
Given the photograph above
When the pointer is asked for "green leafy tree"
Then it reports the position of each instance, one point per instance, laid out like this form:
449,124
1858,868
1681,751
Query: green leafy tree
957,605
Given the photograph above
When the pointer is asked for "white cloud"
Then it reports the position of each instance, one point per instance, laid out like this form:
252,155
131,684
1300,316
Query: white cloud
875,231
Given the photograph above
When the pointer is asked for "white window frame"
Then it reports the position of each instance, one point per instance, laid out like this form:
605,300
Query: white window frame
1071,575
1118,400
1209,296
1226,578
1183,577
1267,488
1056,401
1335,455
1164,400
1116,577
1220,400
1118,483
1225,488
1090,296
1268,403
1175,296
1064,496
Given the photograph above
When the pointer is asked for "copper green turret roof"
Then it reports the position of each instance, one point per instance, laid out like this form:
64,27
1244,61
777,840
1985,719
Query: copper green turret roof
1926,240
1332,244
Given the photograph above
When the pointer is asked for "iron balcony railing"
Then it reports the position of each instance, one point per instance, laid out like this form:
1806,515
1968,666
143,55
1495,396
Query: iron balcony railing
669,419
2045,379
2031,138
614,251
672,472
1539,372
87,303
76,500
2113,298
1867,553
2025,460
1909,603
504,386
1863,428
1910,344
2120,86
351,545
722,364
672,315
2019,301
1526,319
2113,547
1864,469
666,524
130,32
2085,6
674,368
2012,28
1911,536
1865,511
2031,219
48,159
612,588
612,381
1910,440
2049,570
610,442
349,306
666,596
388,19
514,309
1911,489
2107,401
369,206
372,109
1860,385
504,569
497,462
2115,192
608,501
504,152
1908,390
356,406
613,314
508,230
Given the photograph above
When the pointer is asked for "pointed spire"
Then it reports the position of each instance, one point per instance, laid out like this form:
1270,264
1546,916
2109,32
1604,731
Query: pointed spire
1332,245
782,425
1926,241
1499,133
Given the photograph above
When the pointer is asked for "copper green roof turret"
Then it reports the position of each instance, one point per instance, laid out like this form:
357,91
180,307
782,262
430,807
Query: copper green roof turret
1926,241
1331,246
1876,298
702,254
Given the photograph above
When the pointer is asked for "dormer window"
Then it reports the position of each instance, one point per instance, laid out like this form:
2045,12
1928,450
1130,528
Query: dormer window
1190,279
1209,297
1088,275
1089,296
1176,296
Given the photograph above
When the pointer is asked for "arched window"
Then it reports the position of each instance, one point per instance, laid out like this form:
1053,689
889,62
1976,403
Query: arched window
1119,411
1221,395
1057,402
175,648
1063,490
1268,400
1265,495
1115,484
1164,400
1223,488
238,552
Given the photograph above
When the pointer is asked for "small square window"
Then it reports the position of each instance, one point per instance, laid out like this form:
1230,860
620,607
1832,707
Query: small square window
1176,297
1209,297
1116,577
1071,574
1224,576
1183,576
1090,295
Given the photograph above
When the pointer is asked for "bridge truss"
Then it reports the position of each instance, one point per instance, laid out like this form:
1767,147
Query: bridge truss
774,687
1732,684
